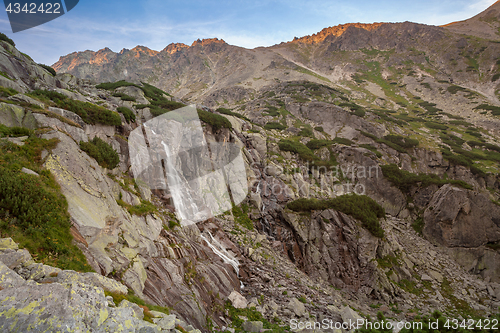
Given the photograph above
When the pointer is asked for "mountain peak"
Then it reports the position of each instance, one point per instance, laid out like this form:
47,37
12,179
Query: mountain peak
208,41
337,31
484,25
175,47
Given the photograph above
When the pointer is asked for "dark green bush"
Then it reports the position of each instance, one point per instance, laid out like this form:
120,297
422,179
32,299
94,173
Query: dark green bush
319,128
114,85
48,69
124,97
305,153
361,207
401,141
14,131
272,111
90,113
274,125
306,131
453,89
7,92
216,121
436,126
405,180
231,113
495,110
33,211
343,141
102,152
371,148
6,39
316,144
495,77
430,107
127,113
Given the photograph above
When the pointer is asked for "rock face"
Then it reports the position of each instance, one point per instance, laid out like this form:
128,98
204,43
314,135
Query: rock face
460,218
331,247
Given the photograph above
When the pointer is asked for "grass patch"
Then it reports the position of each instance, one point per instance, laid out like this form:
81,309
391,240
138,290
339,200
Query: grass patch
124,97
127,113
436,126
33,210
274,125
216,121
305,153
372,149
90,113
7,39
405,180
49,69
396,142
251,314
360,207
241,216
132,298
7,92
114,85
145,208
231,113
495,110
102,152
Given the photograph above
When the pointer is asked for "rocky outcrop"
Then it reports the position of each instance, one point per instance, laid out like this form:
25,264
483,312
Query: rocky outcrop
461,218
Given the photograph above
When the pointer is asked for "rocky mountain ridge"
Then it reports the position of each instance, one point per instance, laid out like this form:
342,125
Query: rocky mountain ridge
376,191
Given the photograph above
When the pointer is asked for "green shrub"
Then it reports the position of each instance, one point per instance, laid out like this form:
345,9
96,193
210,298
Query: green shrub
453,89
124,97
241,216
361,207
7,39
495,77
430,107
372,149
495,110
114,85
102,152
14,131
394,141
343,141
316,144
272,111
401,141
216,121
90,113
144,208
405,180
7,92
48,69
33,211
127,113
306,131
436,126
274,125
231,113
319,128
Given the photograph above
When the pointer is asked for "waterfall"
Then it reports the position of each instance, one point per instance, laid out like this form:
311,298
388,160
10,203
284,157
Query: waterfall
184,203
221,252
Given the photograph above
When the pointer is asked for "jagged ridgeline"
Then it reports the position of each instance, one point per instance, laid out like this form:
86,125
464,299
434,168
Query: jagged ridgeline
371,154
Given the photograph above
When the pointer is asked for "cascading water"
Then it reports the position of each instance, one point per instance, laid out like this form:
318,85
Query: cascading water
186,206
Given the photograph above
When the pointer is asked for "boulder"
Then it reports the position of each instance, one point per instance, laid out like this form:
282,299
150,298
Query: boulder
26,99
13,115
457,217
252,326
238,301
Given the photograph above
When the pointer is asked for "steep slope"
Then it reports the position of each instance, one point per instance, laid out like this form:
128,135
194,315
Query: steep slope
484,25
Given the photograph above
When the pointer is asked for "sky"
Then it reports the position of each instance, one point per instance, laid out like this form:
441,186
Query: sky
118,24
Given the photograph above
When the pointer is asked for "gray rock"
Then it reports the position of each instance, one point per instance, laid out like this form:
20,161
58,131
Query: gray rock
77,134
166,323
8,243
69,115
297,307
9,278
13,115
29,172
16,258
238,301
253,326
26,99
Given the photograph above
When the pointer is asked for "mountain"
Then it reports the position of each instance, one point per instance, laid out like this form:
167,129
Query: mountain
484,25
372,159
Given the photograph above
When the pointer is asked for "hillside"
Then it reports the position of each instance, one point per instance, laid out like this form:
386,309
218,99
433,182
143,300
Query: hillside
371,154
